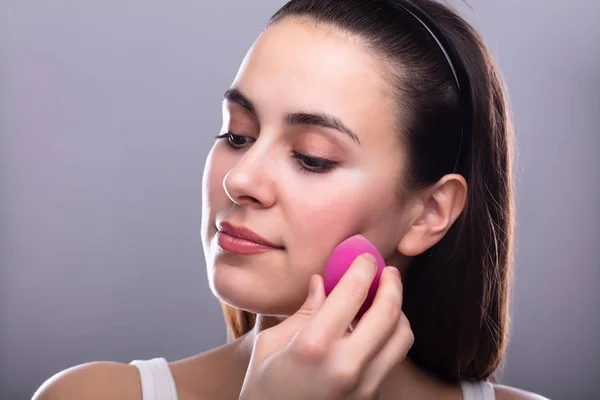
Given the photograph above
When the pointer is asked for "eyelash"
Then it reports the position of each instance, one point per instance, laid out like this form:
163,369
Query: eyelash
322,165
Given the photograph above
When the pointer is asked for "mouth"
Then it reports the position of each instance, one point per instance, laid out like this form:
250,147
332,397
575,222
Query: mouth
241,240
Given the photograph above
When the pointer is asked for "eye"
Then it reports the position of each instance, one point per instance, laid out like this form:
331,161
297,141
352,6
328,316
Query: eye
307,164
313,164
235,141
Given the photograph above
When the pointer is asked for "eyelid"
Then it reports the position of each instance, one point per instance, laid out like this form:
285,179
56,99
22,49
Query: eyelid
320,146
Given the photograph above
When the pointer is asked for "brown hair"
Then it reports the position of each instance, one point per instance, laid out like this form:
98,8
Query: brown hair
456,294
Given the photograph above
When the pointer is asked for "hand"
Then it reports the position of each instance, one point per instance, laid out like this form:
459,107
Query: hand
312,355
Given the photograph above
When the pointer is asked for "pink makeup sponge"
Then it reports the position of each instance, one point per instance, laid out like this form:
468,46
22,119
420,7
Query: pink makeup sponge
340,260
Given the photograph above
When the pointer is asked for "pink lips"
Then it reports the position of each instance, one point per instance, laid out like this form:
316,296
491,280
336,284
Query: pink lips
241,240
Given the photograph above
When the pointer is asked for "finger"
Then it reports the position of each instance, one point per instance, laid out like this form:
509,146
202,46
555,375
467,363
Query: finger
314,300
379,322
391,354
344,302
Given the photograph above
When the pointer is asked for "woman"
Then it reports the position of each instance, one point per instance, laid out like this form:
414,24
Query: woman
384,118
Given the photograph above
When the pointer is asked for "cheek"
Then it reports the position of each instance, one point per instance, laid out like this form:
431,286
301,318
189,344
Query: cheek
216,167
214,196
319,223
320,218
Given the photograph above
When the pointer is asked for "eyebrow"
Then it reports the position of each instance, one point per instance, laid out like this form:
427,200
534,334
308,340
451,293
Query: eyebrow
297,118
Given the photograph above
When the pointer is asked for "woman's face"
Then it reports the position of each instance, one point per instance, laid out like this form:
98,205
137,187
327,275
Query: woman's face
313,158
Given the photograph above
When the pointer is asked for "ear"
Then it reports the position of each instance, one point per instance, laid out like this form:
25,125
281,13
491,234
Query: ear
439,207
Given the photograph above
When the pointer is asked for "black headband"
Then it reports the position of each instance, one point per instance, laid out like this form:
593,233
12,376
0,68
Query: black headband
454,62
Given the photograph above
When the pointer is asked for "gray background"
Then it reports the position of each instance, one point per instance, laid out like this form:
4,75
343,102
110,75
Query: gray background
107,112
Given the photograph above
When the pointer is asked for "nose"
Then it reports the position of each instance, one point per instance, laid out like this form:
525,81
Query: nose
250,182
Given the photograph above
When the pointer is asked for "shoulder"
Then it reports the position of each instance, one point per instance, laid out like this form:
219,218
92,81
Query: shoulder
96,380
509,393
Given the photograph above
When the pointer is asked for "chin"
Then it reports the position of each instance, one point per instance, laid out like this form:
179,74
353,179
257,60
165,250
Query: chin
248,290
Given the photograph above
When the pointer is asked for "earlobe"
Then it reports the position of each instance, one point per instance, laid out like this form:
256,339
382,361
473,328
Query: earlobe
441,205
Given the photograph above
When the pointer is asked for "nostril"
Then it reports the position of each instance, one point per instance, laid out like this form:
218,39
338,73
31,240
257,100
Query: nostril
248,199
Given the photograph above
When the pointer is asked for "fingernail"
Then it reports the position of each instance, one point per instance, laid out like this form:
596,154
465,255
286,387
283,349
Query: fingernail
395,271
368,257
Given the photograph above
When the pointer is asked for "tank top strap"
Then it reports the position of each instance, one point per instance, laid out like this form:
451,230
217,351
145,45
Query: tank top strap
157,379
483,390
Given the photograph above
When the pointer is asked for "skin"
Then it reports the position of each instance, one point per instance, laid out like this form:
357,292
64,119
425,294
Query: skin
294,67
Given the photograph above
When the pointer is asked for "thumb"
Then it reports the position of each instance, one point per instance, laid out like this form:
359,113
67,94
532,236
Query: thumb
315,299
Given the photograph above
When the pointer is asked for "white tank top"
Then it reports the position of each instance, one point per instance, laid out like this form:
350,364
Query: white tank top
158,383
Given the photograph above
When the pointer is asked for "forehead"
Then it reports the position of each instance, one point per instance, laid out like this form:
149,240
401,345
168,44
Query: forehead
296,64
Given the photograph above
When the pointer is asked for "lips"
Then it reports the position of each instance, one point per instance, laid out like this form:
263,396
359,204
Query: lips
243,233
